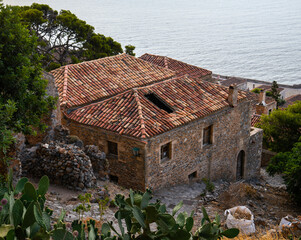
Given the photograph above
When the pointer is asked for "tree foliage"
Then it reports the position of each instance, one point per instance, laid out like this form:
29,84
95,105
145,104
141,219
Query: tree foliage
21,74
64,38
256,90
129,49
274,93
289,164
23,100
282,128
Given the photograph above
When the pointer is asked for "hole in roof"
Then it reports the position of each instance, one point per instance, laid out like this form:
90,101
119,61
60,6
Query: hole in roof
158,102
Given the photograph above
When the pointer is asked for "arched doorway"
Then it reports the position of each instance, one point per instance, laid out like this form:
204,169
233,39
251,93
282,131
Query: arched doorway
240,165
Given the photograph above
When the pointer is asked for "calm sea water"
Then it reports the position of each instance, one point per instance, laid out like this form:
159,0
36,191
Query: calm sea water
259,39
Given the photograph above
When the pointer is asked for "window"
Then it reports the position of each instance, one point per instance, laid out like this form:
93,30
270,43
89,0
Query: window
207,135
192,176
113,178
166,151
158,102
112,148
270,111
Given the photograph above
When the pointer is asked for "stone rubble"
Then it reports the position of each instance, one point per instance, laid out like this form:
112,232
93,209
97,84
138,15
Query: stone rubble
65,161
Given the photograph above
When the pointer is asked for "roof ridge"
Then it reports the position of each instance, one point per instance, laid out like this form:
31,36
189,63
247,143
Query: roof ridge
93,60
290,97
158,83
166,62
169,58
65,86
140,114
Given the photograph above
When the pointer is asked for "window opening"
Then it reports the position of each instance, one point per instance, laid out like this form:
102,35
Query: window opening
166,151
207,135
192,176
112,148
113,178
240,165
158,102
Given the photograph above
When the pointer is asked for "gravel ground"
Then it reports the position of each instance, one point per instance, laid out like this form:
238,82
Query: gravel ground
266,198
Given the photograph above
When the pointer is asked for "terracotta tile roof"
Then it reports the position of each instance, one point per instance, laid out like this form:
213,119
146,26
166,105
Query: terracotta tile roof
132,113
269,100
290,100
232,81
254,97
255,119
179,67
79,84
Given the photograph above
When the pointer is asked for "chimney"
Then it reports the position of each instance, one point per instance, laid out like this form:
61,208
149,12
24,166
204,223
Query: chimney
232,97
262,97
261,105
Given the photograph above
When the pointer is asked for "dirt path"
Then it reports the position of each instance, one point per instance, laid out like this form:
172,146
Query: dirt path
266,198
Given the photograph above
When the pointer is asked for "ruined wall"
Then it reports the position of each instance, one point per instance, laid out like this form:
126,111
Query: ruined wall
266,157
231,131
254,153
64,164
128,168
271,106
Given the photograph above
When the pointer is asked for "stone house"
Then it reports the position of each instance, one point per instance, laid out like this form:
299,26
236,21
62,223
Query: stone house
159,127
262,105
239,82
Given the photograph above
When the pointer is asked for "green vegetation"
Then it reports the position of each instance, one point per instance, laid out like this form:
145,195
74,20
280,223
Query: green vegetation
64,38
23,100
282,134
256,90
276,95
85,205
289,164
23,215
282,128
209,185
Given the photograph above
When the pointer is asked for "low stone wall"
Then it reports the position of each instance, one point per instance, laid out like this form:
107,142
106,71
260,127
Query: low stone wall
266,157
64,164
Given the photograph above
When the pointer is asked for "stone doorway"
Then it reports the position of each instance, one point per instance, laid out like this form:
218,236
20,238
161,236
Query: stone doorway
240,165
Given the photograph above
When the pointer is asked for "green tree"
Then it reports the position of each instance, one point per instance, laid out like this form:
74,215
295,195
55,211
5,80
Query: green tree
129,49
23,100
64,38
289,164
274,93
282,128
256,90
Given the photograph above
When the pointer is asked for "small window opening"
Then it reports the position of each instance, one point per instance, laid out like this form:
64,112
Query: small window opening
113,178
112,148
158,102
166,151
192,176
270,111
207,139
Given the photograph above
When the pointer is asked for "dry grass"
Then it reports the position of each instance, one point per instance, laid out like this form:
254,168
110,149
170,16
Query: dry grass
265,235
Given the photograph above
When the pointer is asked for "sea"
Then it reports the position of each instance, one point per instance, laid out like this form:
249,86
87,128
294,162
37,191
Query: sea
257,39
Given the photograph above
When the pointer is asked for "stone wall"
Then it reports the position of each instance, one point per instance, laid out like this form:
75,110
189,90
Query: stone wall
129,169
231,133
64,164
266,157
254,151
